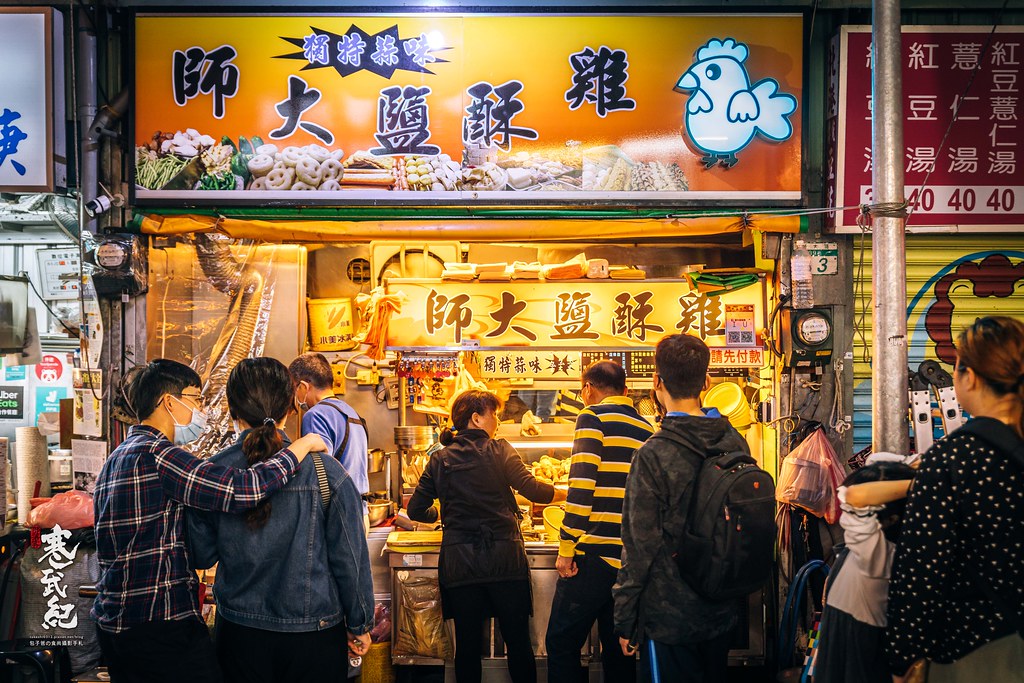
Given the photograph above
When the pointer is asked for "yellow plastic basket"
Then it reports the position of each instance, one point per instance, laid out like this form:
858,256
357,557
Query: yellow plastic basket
377,666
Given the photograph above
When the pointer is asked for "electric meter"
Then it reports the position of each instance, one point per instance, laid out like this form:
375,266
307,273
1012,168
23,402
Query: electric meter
813,329
112,255
119,265
806,336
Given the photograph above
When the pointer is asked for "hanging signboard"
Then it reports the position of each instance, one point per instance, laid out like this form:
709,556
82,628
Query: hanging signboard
976,180
443,108
27,136
560,314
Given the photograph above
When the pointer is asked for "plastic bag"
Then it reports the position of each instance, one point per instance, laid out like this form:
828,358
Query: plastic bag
421,628
810,476
381,631
72,510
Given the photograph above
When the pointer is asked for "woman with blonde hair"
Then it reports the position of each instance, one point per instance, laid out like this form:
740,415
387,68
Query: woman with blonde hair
957,592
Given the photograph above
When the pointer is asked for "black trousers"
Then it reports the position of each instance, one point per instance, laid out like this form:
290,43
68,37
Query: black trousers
579,601
703,662
161,652
252,655
509,603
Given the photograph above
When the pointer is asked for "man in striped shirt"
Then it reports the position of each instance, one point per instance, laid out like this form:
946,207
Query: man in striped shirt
608,431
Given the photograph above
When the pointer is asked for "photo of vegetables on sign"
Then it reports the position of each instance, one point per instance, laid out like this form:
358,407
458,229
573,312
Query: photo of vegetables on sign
527,109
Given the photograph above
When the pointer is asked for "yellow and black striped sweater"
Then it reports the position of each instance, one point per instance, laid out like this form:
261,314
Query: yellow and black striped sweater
607,434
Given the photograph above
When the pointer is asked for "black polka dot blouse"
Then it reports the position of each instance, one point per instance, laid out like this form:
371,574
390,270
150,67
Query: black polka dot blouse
964,524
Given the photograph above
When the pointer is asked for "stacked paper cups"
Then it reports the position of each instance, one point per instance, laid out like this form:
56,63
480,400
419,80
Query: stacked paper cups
32,466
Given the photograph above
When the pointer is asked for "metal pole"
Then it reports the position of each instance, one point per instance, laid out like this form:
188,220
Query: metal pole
88,180
888,263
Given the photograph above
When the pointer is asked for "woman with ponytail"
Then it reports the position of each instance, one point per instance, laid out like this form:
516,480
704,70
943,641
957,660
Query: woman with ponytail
482,567
957,592
293,585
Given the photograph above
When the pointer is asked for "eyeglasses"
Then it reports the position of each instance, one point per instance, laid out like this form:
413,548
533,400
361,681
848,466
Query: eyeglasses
986,324
198,398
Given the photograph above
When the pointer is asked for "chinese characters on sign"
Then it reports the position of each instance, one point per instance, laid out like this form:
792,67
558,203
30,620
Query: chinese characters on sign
10,137
977,178
562,314
380,53
528,364
599,78
489,115
300,99
442,312
540,108
737,358
403,122
197,71
60,611
31,146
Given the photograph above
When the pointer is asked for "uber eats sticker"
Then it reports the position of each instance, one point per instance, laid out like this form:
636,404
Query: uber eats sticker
12,403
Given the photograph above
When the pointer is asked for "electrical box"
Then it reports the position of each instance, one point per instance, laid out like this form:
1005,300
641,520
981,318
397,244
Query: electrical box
391,391
338,371
807,336
119,265
368,378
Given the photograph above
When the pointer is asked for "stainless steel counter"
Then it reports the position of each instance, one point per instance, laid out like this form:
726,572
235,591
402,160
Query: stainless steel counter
541,557
748,648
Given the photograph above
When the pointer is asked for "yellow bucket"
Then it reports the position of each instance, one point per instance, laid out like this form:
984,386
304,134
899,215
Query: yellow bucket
330,324
377,664
553,516
731,403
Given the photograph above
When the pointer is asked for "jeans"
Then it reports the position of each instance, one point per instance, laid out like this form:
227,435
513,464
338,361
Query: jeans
252,655
470,607
703,662
161,652
579,601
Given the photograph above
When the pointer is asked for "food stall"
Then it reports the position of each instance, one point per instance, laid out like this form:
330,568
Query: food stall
432,207
528,341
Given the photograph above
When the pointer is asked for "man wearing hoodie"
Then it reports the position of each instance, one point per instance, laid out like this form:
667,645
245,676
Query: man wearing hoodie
687,635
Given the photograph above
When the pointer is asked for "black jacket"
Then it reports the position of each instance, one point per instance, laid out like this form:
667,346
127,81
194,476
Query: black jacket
473,478
658,493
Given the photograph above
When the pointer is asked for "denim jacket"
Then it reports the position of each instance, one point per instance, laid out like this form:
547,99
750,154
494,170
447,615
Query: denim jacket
289,575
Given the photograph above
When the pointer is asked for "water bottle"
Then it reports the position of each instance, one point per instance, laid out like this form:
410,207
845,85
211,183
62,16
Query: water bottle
800,276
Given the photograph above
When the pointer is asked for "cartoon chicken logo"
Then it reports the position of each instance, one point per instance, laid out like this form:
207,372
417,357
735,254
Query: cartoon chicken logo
724,111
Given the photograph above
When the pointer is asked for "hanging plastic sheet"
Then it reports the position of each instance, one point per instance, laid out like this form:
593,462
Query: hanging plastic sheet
209,307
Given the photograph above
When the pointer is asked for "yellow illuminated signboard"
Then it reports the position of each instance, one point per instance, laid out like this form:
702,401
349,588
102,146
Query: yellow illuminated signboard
569,314
465,108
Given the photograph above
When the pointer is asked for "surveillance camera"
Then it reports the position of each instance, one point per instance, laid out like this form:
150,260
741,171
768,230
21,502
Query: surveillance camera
98,206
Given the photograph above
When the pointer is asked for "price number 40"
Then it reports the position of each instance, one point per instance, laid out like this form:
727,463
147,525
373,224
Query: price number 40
963,199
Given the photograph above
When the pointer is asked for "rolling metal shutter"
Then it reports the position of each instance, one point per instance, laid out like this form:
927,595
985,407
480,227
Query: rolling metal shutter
951,280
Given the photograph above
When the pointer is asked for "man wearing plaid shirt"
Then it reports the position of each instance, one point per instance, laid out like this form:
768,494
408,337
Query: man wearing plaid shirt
147,609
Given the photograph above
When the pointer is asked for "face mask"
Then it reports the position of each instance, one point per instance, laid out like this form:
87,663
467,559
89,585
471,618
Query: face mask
187,433
237,427
302,405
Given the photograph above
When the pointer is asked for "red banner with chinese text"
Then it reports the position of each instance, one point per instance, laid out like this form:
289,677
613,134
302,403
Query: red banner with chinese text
977,178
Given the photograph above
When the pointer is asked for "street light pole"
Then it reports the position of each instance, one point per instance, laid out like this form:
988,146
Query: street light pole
889,406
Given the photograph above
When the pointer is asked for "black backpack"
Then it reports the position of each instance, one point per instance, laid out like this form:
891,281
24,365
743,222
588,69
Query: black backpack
727,548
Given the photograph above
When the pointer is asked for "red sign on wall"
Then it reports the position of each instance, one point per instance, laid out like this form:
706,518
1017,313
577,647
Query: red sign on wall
976,179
